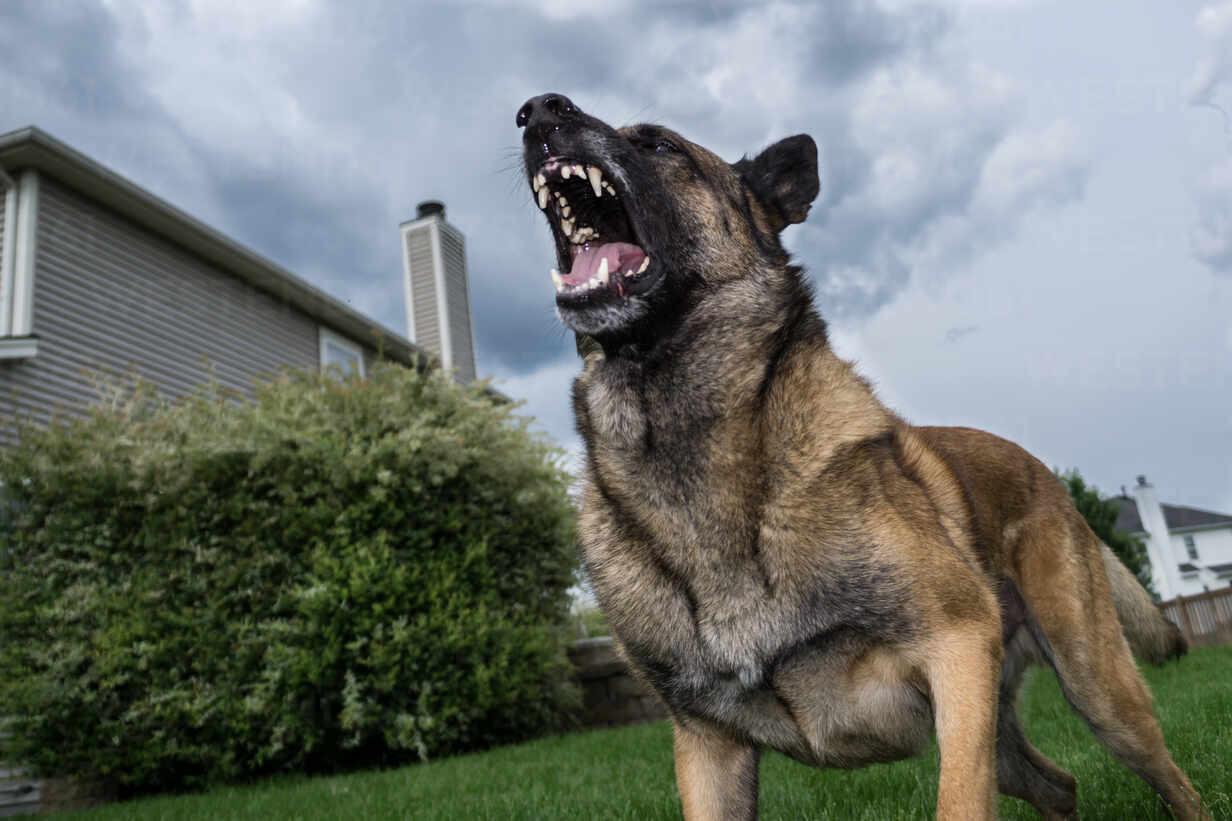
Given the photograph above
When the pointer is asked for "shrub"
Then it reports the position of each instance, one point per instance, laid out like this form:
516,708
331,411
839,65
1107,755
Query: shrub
343,572
591,621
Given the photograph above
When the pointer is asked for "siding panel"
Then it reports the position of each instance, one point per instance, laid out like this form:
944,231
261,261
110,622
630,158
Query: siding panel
423,289
113,298
453,256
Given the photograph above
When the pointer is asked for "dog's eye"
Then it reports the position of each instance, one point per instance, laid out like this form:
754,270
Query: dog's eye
658,145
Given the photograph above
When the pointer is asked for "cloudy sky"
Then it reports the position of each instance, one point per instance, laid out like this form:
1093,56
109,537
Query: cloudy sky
1025,222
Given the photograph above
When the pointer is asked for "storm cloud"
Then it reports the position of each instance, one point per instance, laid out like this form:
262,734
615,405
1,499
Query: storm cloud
1057,177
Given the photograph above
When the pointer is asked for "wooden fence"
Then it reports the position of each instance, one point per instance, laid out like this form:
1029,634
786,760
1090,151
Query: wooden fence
1205,618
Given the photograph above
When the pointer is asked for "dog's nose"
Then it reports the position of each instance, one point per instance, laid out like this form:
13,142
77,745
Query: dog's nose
545,111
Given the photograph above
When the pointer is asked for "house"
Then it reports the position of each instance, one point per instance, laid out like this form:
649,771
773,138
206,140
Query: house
99,275
1190,550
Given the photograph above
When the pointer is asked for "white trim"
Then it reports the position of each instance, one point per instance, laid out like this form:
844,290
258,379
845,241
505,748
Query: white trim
27,249
441,301
1177,531
408,291
22,347
8,257
328,337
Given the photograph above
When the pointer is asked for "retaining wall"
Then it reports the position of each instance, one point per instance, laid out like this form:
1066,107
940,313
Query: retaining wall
611,695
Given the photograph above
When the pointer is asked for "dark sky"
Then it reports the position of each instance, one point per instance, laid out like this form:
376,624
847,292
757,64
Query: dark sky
1026,214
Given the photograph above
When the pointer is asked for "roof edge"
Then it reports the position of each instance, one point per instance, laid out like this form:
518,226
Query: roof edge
31,147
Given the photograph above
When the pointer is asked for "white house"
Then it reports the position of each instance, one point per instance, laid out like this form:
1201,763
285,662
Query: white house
1190,550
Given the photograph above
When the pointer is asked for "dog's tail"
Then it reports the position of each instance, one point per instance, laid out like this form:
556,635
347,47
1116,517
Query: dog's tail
1151,637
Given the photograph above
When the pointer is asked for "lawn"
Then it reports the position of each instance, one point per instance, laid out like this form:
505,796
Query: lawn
627,773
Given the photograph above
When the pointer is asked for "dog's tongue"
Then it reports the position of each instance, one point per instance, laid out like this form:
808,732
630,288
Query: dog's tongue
621,257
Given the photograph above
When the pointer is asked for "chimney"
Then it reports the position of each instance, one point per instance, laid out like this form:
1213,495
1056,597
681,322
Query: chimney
429,208
1158,540
438,310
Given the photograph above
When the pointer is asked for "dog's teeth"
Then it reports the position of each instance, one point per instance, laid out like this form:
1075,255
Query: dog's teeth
596,179
565,172
607,186
558,281
563,201
566,227
579,171
602,274
645,264
543,198
565,210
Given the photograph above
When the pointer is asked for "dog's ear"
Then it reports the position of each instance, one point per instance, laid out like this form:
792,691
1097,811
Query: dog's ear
784,178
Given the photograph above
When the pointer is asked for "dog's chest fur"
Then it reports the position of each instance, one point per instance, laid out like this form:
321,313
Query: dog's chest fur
717,578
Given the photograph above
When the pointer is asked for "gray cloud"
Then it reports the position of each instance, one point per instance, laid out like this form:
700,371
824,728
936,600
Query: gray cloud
1211,237
308,130
1214,69
958,332
90,76
321,128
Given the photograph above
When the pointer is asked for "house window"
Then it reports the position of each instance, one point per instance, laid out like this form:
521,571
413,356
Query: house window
341,352
1191,548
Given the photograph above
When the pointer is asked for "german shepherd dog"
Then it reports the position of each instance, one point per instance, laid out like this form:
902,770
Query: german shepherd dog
788,563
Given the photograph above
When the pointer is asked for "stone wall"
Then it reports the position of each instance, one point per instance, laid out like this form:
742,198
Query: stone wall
611,695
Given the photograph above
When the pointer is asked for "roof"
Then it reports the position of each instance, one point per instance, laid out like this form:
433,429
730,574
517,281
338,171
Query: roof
30,147
1177,517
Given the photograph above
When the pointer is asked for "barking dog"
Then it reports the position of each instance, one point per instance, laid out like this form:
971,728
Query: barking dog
788,563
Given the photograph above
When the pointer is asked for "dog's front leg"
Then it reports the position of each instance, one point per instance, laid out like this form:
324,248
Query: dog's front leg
715,775
963,670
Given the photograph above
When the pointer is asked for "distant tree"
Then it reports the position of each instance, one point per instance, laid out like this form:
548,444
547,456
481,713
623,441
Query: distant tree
1101,514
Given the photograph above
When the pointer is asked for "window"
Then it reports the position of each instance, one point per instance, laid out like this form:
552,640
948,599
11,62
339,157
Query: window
1191,548
341,352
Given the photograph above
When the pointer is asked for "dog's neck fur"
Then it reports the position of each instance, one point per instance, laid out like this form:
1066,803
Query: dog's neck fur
681,451
654,409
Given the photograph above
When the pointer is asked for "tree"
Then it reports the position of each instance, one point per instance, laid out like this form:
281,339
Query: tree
1101,514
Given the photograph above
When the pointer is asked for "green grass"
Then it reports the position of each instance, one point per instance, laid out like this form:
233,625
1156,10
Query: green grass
627,773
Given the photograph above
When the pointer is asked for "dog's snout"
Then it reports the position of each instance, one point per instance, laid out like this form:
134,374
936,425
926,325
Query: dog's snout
545,111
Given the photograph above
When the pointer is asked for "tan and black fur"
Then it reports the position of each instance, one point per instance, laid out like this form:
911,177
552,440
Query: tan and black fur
787,562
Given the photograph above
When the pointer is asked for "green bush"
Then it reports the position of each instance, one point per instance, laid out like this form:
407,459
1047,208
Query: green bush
344,572
592,623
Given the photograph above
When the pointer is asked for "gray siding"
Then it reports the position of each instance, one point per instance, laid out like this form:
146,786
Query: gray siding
423,289
112,298
3,202
457,304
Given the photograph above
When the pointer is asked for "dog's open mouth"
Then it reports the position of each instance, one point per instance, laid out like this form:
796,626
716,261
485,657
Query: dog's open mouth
595,243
